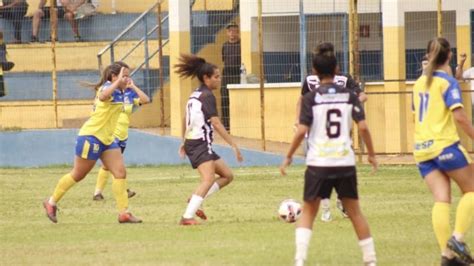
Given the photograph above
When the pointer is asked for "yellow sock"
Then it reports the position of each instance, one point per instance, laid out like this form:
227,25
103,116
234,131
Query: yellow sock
440,220
102,178
464,213
119,188
64,184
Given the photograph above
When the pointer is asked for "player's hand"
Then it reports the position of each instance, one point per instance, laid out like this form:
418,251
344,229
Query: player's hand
131,84
373,161
237,153
181,152
463,57
286,162
123,80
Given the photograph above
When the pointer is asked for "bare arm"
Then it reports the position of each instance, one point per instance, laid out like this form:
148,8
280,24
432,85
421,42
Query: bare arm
366,137
144,99
298,137
106,93
216,123
298,110
459,68
463,121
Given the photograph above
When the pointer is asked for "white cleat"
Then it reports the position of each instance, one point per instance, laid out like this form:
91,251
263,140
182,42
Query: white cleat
326,215
341,208
299,262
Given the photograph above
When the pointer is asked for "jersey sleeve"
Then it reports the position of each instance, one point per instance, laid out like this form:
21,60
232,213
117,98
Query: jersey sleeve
306,114
209,105
358,113
304,88
102,88
452,95
353,85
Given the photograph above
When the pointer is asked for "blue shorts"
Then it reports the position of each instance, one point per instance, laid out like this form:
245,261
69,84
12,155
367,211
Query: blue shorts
451,158
90,148
121,143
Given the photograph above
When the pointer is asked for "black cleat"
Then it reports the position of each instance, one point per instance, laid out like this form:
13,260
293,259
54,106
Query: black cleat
452,262
131,193
461,249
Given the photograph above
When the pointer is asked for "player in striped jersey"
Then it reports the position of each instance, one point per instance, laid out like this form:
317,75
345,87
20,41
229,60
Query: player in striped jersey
439,155
200,122
327,115
96,141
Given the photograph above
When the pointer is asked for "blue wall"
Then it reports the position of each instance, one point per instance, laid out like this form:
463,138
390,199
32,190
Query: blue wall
52,147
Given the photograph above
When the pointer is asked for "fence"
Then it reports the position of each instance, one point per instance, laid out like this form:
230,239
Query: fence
380,43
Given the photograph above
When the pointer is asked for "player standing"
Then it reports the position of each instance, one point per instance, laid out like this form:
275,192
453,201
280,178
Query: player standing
326,115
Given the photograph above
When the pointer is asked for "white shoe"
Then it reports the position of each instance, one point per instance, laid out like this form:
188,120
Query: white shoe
371,263
326,215
341,208
299,262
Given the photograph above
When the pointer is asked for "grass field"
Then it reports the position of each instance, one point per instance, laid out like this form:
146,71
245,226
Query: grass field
242,229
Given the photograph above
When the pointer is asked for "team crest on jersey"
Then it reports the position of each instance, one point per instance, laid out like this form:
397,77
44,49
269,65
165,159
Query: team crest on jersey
455,94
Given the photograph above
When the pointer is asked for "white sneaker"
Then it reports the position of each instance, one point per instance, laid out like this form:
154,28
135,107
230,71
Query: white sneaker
299,262
326,215
341,208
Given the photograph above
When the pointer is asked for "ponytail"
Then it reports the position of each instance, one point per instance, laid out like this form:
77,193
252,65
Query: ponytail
113,69
193,66
438,53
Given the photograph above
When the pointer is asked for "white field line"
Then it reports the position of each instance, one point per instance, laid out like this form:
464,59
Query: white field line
236,173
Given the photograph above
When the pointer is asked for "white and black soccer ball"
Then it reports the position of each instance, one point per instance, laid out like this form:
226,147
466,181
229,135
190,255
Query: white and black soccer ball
289,210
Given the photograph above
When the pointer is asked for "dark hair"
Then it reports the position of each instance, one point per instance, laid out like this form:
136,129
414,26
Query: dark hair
325,48
325,65
193,66
113,69
438,50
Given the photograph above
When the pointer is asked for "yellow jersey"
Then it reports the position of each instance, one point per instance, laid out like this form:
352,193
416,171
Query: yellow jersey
104,116
435,128
130,102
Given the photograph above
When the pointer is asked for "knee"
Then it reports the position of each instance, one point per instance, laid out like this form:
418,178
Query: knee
120,173
69,16
230,177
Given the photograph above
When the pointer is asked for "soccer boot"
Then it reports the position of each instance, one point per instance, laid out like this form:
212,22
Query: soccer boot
50,211
131,193
190,221
127,217
461,249
299,262
98,197
341,208
452,262
200,213
326,215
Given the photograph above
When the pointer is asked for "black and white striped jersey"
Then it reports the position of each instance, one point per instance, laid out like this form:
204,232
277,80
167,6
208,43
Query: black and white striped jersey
311,83
201,106
328,111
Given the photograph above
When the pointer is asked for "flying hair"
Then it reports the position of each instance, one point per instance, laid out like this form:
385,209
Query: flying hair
191,66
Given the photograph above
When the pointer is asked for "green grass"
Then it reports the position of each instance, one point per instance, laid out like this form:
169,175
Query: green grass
242,229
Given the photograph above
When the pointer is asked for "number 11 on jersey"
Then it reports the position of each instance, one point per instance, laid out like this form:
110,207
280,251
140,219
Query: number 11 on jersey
424,98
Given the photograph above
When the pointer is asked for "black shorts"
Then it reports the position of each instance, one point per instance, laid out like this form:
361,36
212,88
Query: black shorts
319,182
199,151
47,13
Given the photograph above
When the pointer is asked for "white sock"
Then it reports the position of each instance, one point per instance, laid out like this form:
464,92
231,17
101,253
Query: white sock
97,192
458,236
368,250
302,238
51,201
325,203
193,206
214,188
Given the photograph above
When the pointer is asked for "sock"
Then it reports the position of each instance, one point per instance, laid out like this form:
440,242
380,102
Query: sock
214,188
302,238
119,188
464,214
64,184
102,178
440,220
193,205
368,250
325,203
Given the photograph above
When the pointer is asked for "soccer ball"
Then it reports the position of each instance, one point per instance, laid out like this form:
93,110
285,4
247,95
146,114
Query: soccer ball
289,211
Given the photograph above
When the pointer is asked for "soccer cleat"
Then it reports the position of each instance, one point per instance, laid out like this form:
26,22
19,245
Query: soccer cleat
131,193
326,215
127,217
299,262
200,213
461,249
341,208
190,221
98,197
50,211
370,263
452,262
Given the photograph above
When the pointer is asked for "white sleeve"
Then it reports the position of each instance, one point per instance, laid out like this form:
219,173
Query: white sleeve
468,73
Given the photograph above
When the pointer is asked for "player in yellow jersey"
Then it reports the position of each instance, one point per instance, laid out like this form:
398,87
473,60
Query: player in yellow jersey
96,141
440,157
133,97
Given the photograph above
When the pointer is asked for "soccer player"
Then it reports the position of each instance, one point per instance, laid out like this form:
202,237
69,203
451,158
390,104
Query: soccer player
132,98
439,155
96,140
311,83
198,127
326,115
